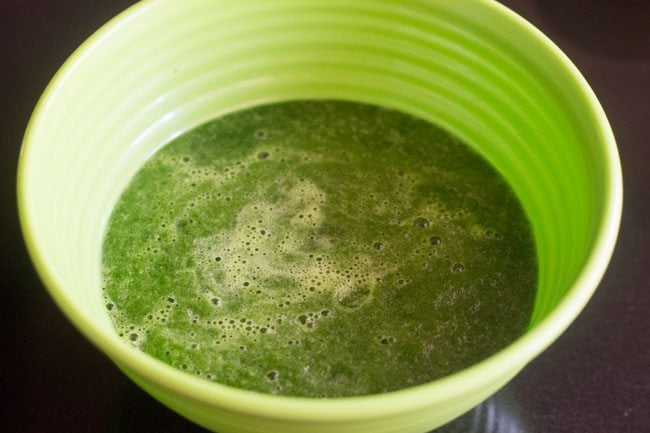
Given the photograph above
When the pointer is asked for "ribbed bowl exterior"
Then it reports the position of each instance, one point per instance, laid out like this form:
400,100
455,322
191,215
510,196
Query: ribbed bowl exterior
471,66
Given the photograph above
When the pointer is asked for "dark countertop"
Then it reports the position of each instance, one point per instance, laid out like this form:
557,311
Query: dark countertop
595,378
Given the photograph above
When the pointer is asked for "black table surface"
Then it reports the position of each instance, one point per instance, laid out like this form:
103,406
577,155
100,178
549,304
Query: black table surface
595,378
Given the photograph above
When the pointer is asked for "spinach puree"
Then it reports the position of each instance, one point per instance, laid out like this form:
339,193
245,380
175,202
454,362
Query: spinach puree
319,248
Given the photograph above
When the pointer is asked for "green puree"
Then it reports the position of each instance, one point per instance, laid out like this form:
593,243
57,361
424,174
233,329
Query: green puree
319,248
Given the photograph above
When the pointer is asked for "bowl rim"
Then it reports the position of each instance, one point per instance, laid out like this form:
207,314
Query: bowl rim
505,363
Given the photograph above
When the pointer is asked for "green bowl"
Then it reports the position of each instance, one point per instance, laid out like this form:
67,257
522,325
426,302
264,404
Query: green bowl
473,67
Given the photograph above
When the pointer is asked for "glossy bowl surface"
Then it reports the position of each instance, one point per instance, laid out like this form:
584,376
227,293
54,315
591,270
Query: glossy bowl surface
474,67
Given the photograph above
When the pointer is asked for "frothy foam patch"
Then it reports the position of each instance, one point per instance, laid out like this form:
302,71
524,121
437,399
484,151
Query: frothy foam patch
278,242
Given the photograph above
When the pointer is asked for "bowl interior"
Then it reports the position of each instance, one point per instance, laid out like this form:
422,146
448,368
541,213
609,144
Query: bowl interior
472,67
